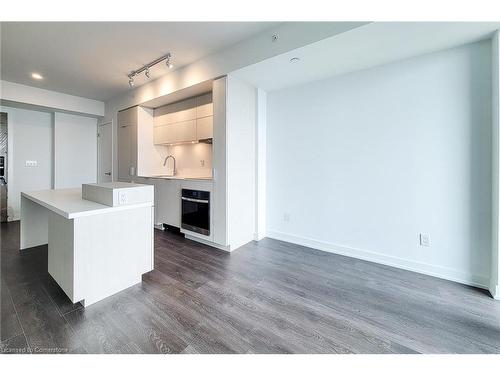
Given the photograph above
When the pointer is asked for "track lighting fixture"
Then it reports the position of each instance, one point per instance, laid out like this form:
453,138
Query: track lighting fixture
168,61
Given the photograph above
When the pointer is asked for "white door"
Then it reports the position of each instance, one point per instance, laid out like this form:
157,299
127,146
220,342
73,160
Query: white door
105,153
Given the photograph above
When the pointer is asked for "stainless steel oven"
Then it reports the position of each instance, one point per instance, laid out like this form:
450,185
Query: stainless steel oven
196,211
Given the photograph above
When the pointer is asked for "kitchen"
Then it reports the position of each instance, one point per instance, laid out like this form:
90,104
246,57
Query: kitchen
182,132
178,143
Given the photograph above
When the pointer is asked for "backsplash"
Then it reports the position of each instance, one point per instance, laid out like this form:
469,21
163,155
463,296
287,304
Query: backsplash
192,160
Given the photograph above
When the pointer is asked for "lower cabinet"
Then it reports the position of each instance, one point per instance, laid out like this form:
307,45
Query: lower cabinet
167,199
168,202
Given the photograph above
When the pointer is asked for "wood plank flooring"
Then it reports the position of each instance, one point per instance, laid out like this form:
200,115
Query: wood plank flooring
266,297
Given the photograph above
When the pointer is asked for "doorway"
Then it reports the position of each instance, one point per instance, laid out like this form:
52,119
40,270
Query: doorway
105,152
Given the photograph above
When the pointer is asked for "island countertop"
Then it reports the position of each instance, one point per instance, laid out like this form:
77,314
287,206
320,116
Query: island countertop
70,204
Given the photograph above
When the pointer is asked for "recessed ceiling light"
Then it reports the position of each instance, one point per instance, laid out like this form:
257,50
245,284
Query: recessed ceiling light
36,76
294,60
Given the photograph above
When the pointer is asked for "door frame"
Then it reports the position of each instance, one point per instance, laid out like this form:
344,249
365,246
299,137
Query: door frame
112,149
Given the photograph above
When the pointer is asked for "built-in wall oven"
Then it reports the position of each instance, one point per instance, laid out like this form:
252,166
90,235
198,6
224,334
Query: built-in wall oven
196,211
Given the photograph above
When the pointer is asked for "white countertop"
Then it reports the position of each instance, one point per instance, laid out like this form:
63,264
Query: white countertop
69,203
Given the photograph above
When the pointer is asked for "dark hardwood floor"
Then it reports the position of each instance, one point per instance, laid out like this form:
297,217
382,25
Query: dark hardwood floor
266,297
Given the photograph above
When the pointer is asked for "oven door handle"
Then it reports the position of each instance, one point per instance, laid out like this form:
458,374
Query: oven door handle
195,200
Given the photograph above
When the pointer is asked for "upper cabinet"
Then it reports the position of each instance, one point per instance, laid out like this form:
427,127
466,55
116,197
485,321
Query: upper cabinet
178,132
204,128
175,112
189,120
204,105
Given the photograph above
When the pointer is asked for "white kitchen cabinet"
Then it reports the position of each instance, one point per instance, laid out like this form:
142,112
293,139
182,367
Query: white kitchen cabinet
204,127
134,138
127,144
185,121
176,112
155,183
160,135
204,105
219,163
175,133
168,202
128,116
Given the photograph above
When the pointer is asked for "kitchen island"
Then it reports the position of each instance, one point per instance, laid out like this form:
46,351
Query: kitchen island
94,249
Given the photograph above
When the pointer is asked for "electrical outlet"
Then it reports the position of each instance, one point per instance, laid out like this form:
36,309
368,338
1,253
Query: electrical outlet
425,239
286,217
202,163
31,163
122,197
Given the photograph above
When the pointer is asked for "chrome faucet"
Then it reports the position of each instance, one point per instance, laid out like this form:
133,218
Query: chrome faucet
166,159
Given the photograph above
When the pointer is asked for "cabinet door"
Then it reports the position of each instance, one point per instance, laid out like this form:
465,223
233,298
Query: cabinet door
132,131
124,153
204,128
169,203
204,106
127,117
175,112
127,144
175,133
173,203
153,182
159,135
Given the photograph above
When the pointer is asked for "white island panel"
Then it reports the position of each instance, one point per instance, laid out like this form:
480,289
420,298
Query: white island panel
94,250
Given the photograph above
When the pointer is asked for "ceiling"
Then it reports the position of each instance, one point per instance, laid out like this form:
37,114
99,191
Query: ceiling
92,59
361,48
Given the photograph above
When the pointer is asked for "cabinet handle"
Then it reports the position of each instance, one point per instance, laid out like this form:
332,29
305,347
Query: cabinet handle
194,200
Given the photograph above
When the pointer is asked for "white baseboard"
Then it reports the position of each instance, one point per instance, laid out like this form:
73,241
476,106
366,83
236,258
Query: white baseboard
205,242
259,236
410,265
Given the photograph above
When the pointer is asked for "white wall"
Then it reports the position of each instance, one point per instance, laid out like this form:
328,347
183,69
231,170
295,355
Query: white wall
260,165
241,159
29,138
495,259
361,164
75,150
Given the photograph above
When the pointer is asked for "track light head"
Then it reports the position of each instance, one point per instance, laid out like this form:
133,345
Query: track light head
147,73
168,61
131,81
